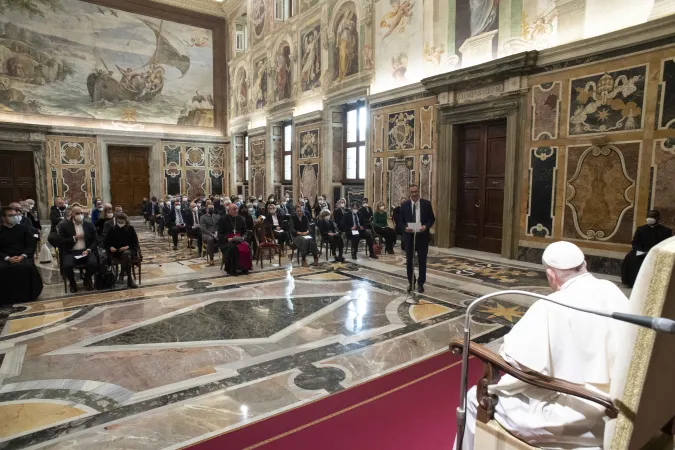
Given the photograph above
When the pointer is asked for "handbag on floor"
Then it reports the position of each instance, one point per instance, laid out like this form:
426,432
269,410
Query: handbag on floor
45,254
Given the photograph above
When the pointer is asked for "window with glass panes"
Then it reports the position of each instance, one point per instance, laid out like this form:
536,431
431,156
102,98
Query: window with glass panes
355,141
288,159
246,158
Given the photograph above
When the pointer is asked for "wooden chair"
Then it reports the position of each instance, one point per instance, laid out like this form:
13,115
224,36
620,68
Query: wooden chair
641,406
266,242
136,263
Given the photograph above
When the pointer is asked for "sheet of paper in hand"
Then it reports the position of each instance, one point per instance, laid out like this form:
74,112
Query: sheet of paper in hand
414,226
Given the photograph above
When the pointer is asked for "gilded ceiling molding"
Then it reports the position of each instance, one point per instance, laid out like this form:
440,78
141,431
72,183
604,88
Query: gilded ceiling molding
210,7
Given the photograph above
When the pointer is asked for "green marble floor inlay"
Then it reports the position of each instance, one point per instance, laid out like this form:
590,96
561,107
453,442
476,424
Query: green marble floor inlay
225,320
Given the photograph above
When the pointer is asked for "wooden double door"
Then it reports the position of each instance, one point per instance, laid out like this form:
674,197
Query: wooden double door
480,189
17,176
129,177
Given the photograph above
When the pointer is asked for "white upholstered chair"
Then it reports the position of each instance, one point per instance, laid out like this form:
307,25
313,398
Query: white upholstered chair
641,411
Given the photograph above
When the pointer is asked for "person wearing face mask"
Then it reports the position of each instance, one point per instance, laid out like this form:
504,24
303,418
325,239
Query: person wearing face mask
382,228
192,226
366,212
185,204
209,227
122,245
56,215
304,242
176,223
275,219
330,233
646,237
106,215
111,223
19,277
354,227
96,212
152,213
339,213
290,209
144,207
78,241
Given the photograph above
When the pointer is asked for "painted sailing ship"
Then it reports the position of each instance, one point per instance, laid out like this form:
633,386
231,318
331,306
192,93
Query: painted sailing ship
136,86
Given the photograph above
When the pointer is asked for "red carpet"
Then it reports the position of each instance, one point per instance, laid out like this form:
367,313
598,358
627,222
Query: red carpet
412,408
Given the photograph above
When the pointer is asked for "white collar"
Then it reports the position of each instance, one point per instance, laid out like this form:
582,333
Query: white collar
571,281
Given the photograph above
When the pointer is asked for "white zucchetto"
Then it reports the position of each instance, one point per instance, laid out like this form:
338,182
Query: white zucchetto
563,255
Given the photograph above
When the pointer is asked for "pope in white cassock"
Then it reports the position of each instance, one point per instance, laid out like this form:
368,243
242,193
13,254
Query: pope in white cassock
561,343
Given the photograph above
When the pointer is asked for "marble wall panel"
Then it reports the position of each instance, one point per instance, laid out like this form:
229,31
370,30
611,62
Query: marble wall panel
378,180
663,194
427,127
257,182
543,163
400,175
338,155
72,168
600,191
278,154
607,102
309,143
195,156
195,182
240,163
309,180
257,150
354,193
666,104
216,177
401,130
426,184
546,100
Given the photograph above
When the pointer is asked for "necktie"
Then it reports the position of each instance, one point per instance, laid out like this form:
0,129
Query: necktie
356,220
415,211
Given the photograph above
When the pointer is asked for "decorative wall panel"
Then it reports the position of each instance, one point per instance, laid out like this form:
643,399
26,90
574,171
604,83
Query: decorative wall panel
309,143
240,163
309,180
666,104
541,191
401,130
663,169
378,133
354,193
73,168
194,168
426,127
278,154
338,155
600,191
257,182
257,165
607,102
546,100
378,181
400,175
426,184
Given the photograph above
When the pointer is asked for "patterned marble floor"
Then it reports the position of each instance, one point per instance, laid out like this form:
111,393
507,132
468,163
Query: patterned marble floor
193,353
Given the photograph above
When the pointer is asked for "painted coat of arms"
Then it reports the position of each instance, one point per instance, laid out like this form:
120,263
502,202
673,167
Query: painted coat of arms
402,130
609,102
309,144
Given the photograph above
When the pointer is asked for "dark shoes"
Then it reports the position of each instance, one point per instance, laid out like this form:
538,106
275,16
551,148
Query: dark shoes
87,285
420,289
73,288
131,284
374,256
175,248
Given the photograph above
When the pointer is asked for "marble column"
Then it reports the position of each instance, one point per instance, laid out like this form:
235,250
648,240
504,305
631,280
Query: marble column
235,160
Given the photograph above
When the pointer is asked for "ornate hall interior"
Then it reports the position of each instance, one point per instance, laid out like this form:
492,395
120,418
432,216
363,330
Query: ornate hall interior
521,122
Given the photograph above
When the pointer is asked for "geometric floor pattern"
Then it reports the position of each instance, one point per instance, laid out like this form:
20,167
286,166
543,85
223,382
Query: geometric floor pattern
194,353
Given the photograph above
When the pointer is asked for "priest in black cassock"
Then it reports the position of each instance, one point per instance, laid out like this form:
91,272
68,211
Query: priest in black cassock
236,252
646,237
19,277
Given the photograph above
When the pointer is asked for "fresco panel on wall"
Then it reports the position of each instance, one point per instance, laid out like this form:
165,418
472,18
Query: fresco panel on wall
541,191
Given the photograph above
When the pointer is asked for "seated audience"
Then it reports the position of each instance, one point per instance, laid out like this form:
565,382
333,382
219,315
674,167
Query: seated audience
32,215
19,277
304,242
176,223
208,224
395,215
78,241
646,237
275,219
192,226
108,225
56,215
354,228
236,252
104,217
153,213
339,213
330,233
122,245
96,211
366,213
382,228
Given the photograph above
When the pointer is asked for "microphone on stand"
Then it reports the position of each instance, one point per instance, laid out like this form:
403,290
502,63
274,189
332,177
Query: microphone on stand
655,323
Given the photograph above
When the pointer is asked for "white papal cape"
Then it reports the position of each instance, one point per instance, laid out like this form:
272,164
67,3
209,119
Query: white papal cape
566,344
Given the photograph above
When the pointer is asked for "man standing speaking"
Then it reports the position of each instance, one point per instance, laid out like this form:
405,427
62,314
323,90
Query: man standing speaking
416,218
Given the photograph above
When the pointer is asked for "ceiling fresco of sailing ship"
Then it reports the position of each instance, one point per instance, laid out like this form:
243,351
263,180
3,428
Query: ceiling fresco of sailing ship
74,59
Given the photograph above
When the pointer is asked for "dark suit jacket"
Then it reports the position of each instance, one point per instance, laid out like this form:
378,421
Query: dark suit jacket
427,217
338,215
55,216
150,211
367,214
327,226
172,217
189,219
68,232
348,221
280,217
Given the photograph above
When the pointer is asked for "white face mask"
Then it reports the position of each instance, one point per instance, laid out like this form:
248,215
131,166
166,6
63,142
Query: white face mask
342,205
177,207
355,211
109,215
185,199
161,204
651,221
382,208
100,208
15,220
365,205
195,209
121,224
79,218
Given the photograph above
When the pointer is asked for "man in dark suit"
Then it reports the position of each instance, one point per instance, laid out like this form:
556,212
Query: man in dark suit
192,226
56,214
353,225
339,213
416,211
78,241
176,223
153,213
366,212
